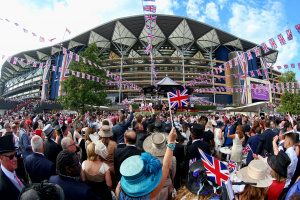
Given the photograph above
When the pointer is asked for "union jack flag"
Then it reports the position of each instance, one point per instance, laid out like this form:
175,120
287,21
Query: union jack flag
252,74
93,78
124,101
67,71
273,43
53,68
278,67
64,50
52,39
3,56
73,72
299,66
88,76
236,62
34,34
16,24
289,34
298,28
71,54
83,59
243,67
64,72
89,62
42,39
231,165
59,69
7,20
77,58
265,48
15,60
151,36
28,62
77,74
293,65
150,27
150,18
258,72
21,60
25,31
82,75
286,66
249,55
246,149
265,67
256,51
60,44
34,64
148,48
281,39
230,63
150,8
68,31
215,170
178,98
41,65
97,79
225,66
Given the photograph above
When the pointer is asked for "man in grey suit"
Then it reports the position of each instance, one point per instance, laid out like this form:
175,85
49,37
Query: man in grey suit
24,140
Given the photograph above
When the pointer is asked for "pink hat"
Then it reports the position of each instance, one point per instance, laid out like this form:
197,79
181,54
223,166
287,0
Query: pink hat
69,119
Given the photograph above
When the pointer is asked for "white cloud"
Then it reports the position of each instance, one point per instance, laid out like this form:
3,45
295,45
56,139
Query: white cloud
261,24
193,8
211,12
176,4
221,3
50,18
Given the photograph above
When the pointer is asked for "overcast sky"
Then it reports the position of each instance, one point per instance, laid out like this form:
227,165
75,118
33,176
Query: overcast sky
253,20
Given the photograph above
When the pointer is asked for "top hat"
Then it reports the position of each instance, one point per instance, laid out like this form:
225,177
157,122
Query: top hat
279,163
197,130
48,130
6,144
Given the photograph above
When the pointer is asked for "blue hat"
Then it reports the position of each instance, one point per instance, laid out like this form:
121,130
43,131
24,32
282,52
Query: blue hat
140,174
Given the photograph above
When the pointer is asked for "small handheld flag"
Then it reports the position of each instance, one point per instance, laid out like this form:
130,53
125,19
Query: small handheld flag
232,165
246,149
178,98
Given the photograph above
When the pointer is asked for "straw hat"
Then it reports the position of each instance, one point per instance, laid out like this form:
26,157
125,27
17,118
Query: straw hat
256,172
156,144
105,131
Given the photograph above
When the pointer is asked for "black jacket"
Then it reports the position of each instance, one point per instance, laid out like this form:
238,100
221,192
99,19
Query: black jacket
193,151
120,155
8,190
208,136
265,146
51,150
39,167
119,129
73,189
140,137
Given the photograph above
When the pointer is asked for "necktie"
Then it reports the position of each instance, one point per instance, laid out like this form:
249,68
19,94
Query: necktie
18,180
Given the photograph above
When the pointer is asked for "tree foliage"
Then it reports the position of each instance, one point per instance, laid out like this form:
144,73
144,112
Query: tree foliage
82,92
290,102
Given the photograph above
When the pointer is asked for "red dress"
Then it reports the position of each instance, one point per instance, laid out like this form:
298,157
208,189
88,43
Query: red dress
275,190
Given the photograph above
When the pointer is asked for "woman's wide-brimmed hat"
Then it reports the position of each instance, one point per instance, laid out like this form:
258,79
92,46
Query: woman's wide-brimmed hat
279,163
256,172
140,174
197,181
156,144
105,131
110,123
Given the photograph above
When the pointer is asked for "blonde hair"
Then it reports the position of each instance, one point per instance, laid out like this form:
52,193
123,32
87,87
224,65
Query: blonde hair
90,151
277,177
40,125
184,192
251,192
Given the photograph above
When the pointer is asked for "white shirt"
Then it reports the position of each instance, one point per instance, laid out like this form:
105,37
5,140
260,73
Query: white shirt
292,167
195,140
9,174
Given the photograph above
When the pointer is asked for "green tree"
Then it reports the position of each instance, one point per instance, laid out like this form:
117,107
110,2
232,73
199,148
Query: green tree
290,102
82,92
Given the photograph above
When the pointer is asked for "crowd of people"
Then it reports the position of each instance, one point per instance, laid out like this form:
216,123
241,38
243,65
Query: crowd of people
135,156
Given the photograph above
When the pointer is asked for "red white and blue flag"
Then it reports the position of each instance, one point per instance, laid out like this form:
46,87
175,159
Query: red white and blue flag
7,20
34,64
289,34
52,39
89,62
34,34
71,54
42,39
178,98
64,72
25,31
77,74
125,101
293,65
148,47
232,165
53,68
249,55
41,65
150,18
149,8
15,60
273,43
256,51
246,149
258,72
83,59
150,27
281,39
265,48
265,67
286,66
230,64
151,36
298,28
215,170
243,79
252,74
64,50
16,24
236,62
77,58
68,31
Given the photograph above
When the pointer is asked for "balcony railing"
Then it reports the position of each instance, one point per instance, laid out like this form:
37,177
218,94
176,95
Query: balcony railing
28,85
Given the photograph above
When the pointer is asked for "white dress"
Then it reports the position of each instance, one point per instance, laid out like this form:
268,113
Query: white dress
237,148
218,142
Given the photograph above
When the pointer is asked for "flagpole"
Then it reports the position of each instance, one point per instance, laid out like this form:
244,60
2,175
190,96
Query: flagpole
170,109
59,56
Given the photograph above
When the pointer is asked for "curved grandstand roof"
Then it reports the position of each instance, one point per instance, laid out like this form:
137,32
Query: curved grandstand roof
122,33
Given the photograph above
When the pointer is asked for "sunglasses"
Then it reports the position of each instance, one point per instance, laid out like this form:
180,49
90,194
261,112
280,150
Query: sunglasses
11,156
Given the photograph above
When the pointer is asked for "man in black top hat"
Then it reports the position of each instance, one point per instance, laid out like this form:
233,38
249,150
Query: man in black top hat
10,183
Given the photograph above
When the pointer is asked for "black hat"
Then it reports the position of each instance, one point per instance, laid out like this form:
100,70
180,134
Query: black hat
279,163
197,130
197,178
168,127
6,144
159,126
62,129
297,137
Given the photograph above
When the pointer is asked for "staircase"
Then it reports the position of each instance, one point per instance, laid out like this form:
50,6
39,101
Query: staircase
21,106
